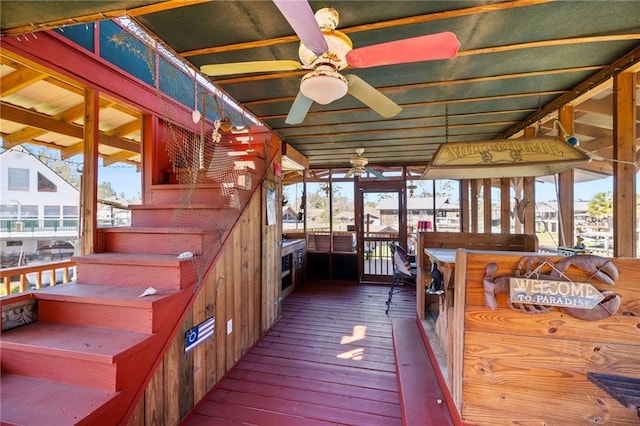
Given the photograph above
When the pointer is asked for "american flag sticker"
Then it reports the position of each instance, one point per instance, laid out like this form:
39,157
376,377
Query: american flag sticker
198,334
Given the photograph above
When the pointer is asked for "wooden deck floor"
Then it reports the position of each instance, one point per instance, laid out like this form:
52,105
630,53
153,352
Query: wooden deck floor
328,360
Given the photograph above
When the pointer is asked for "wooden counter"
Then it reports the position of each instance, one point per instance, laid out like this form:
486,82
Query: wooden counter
507,366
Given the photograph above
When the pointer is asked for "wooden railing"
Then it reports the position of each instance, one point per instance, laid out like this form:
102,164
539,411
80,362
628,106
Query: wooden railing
19,278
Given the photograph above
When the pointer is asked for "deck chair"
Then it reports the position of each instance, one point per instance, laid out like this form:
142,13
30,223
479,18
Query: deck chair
404,274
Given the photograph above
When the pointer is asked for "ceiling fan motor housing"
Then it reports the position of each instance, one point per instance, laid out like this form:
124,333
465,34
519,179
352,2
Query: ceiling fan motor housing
338,42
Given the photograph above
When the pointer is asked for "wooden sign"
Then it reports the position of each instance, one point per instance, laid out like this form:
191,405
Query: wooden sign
554,293
504,158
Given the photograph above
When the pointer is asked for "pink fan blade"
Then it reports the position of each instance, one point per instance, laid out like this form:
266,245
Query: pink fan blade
417,49
301,18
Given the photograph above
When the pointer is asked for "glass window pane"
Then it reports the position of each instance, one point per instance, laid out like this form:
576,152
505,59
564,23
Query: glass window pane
18,179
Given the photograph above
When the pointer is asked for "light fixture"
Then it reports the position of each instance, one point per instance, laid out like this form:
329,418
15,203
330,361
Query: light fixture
570,139
504,158
323,85
411,189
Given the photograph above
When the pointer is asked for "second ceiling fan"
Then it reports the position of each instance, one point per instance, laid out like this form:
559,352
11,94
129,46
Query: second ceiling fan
325,51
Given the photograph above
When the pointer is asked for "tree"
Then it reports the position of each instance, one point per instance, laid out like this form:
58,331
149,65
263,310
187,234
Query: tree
65,169
105,190
601,205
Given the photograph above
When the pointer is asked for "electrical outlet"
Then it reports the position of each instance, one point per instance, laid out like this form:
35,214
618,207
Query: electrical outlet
229,326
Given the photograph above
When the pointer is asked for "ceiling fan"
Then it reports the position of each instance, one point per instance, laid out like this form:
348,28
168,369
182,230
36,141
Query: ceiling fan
325,51
359,166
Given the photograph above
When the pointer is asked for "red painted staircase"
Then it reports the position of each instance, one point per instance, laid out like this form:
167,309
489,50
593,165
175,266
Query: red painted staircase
95,343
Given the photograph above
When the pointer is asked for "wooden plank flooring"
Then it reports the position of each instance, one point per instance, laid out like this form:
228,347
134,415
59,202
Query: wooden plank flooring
328,360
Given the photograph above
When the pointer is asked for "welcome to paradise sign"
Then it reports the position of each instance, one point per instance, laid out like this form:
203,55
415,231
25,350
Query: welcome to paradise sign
554,293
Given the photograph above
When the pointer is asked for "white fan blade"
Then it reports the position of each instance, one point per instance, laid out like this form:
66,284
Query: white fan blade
299,109
371,97
301,18
250,67
349,173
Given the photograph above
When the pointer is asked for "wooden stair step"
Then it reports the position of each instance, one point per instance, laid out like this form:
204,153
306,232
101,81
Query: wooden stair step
158,240
421,398
115,307
136,270
194,215
80,355
49,402
208,193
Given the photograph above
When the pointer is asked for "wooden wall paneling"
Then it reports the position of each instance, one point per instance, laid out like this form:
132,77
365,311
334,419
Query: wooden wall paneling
238,280
505,206
221,314
531,368
566,181
199,314
256,313
230,265
245,282
173,365
624,181
154,398
210,372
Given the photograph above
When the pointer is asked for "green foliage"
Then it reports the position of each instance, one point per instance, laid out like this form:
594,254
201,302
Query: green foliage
601,205
105,190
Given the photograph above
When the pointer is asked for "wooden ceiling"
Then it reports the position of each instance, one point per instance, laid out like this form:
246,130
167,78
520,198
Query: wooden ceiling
519,61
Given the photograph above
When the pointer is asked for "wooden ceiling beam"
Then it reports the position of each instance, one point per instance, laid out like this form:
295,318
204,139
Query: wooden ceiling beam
501,77
630,61
117,158
28,133
374,26
549,43
392,131
438,102
18,80
99,16
50,124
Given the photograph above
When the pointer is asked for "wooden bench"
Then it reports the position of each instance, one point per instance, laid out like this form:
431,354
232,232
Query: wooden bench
479,241
422,401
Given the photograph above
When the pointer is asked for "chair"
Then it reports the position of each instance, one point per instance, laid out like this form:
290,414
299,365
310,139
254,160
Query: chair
403,272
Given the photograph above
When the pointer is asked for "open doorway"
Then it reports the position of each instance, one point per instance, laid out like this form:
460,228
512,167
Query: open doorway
380,209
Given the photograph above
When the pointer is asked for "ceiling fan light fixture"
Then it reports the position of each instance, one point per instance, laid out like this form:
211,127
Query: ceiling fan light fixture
323,85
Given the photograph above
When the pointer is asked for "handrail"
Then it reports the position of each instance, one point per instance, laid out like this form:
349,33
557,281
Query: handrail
21,271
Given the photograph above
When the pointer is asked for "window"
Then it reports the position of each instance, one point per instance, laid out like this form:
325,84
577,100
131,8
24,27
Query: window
70,216
18,179
45,185
51,216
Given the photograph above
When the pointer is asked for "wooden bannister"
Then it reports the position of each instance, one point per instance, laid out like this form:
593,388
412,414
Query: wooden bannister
40,269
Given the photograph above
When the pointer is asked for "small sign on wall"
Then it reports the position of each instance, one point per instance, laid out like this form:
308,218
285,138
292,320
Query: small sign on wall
198,334
554,293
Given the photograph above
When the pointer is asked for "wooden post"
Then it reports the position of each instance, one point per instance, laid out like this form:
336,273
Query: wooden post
624,172
505,206
475,192
89,193
529,193
565,189
464,205
486,190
